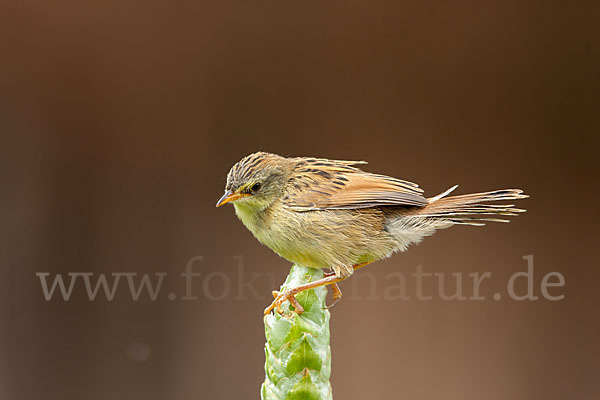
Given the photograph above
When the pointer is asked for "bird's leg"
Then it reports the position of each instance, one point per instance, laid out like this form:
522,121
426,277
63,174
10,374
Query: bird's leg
289,294
336,291
335,288
337,295
362,264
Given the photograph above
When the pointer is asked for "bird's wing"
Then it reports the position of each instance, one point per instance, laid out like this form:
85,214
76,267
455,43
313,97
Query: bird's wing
321,184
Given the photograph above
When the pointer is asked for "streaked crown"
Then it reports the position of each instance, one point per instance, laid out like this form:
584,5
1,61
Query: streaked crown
254,169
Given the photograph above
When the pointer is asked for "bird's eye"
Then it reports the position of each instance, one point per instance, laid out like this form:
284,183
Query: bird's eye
255,187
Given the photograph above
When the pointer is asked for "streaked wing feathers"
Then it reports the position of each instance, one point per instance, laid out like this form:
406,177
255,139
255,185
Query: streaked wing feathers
321,184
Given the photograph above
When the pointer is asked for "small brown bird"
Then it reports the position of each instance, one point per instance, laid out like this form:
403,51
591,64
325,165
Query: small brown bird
324,213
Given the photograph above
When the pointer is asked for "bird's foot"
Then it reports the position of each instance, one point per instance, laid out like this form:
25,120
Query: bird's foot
336,292
330,278
282,297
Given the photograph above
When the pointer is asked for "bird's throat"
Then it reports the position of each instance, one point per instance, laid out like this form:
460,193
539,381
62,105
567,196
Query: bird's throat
251,216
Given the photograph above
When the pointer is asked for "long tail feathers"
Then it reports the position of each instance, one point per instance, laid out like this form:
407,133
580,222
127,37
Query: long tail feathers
467,209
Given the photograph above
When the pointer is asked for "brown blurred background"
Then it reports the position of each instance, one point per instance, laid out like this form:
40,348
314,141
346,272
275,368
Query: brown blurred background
120,119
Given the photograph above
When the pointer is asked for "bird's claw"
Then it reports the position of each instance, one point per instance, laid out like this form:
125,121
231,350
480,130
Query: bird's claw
333,304
337,295
282,297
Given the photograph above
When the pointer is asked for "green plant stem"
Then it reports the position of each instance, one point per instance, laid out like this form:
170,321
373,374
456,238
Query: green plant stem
298,356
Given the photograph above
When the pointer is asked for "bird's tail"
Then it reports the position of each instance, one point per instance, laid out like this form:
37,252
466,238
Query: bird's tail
469,209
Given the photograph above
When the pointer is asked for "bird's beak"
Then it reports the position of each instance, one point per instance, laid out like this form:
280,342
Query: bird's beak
230,196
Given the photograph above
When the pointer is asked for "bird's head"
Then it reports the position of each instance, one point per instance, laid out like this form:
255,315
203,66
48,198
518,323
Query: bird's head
256,181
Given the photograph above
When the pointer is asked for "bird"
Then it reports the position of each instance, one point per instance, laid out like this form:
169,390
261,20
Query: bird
332,215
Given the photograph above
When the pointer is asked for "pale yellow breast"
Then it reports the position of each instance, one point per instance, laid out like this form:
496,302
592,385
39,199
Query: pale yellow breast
283,232
318,239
